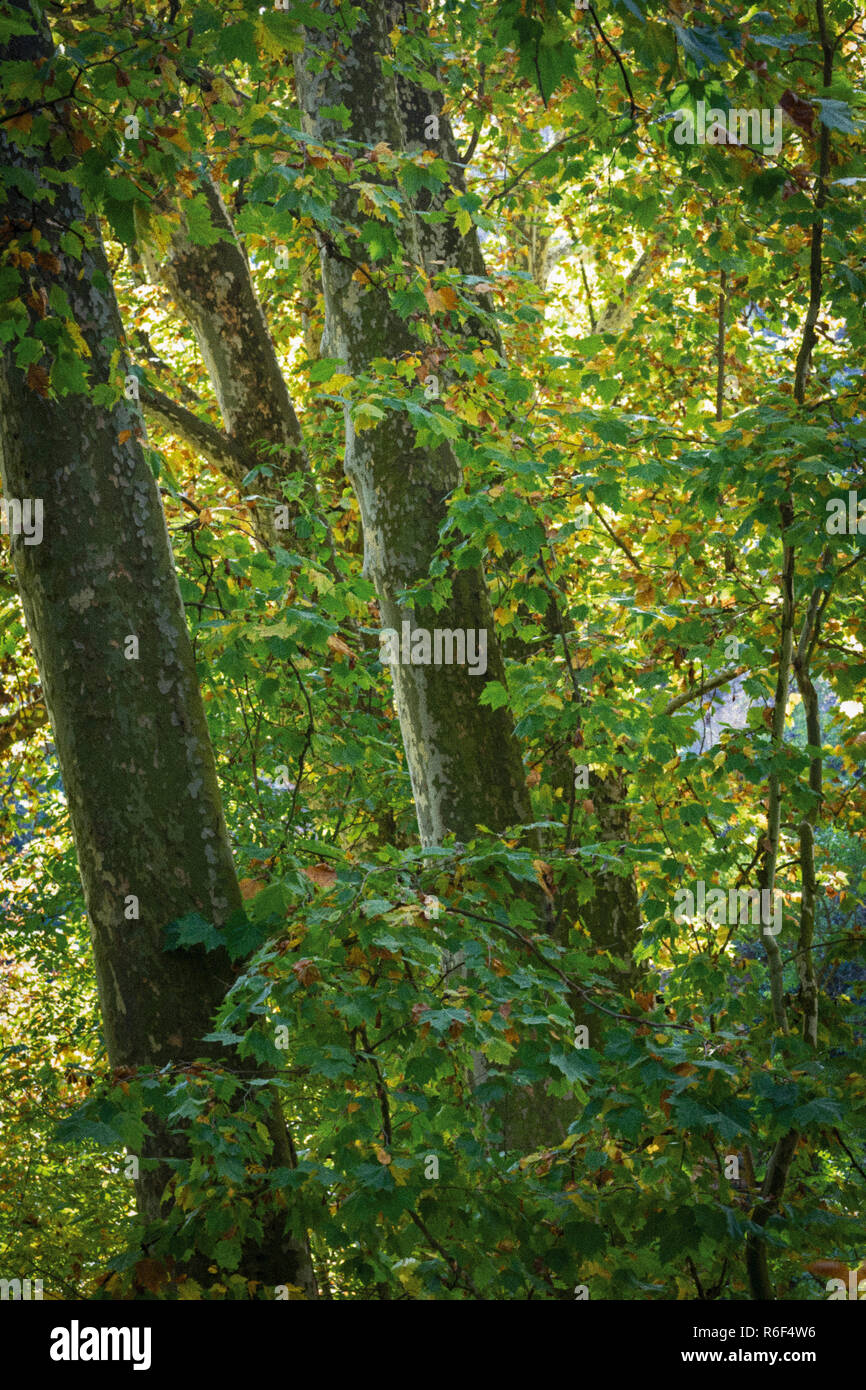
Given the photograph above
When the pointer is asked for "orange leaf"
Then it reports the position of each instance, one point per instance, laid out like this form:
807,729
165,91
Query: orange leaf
544,875
322,875
37,379
307,971
250,886
435,299
151,1274
337,644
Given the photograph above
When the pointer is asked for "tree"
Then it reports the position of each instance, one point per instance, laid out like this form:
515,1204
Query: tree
107,624
597,387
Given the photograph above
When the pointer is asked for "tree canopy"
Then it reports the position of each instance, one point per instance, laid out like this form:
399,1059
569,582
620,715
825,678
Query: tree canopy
432,650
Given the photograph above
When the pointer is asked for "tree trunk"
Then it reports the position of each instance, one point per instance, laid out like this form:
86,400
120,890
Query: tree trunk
213,288
613,913
463,758
106,620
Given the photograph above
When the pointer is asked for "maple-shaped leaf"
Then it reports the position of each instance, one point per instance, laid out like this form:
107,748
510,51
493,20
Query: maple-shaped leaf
251,886
37,379
322,875
307,971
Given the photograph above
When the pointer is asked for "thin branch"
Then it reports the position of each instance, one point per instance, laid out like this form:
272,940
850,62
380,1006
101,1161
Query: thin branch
606,41
704,689
720,345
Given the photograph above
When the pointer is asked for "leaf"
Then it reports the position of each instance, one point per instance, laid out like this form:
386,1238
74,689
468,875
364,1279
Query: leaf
250,887
464,221
322,875
68,374
201,230
306,971
151,1274
325,368
575,1063
228,1252
336,644
191,930
836,115
494,695
441,300
37,379
702,45
238,42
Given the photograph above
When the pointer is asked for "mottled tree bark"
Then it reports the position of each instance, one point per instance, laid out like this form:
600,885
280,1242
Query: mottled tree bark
213,288
612,914
106,620
463,758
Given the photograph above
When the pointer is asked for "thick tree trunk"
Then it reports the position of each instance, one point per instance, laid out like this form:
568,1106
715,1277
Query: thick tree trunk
106,620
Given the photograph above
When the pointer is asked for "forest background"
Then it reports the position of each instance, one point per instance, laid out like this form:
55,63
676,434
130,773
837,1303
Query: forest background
324,977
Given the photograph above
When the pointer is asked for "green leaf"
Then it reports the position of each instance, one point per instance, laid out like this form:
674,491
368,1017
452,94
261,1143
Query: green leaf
702,45
191,930
836,115
494,695
238,41
202,232
325,368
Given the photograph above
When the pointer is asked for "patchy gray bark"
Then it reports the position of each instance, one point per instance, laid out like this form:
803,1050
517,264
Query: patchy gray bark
213,288
463,758
106,620
613,913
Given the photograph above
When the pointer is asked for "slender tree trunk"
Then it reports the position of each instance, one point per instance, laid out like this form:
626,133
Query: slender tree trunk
213,288
613,913
463,758
106,620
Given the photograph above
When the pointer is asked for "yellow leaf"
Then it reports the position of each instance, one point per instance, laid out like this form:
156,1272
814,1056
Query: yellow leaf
339,382
336,644
464,221
188,1291
75,334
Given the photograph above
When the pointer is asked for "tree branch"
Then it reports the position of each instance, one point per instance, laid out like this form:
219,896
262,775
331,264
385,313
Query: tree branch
218,448
704,689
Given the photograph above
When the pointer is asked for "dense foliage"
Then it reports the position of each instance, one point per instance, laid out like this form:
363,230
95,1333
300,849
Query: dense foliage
647,460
